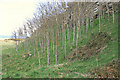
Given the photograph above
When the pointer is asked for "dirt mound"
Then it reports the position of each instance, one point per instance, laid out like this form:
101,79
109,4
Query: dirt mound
110,70
97,43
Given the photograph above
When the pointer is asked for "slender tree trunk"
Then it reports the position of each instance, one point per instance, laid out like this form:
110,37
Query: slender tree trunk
65,43
83,24
42,47
39,42
90,22
101,14
51,37
113,15
74,22
78,31
68,33
77,40
28,46
53,40
16,47
62,36
58,32
53,47
44,43
107,10
34,47
56,43
87,25
99,22
48,47
38,58
56,49
74,35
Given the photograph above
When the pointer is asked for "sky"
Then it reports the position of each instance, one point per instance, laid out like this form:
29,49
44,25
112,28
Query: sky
14,13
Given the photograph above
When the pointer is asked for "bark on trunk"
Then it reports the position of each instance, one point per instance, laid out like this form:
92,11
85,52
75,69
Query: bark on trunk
53,47
74,35
36,45
83,24
90,22
65,43
62,36
107,9
44,43
33,46
56,43
99,22
39,58
42,47
16,46
77,40
56,50
48,47
53,39
103,15
87,25
113,15
67,33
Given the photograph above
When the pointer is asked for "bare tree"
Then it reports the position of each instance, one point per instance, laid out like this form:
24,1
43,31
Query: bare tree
14,33
113,13
15,38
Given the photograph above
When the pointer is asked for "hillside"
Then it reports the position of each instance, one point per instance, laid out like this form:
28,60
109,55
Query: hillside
95,50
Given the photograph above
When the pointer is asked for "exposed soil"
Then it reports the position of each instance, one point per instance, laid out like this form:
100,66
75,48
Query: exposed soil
97,43
109,70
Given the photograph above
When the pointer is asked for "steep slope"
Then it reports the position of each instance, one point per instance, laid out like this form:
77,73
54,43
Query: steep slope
96,44
17,66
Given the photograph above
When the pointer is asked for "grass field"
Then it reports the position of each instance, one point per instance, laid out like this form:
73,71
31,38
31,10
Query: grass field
14,65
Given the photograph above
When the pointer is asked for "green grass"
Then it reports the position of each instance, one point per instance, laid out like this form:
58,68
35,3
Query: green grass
16,66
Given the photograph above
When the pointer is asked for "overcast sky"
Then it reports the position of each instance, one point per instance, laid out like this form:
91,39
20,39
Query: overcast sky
13,13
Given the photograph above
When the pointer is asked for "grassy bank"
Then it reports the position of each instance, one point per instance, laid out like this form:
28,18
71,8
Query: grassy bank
14,65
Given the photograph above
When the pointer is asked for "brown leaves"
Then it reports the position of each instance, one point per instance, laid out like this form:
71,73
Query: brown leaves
96,44
8,56
108,71
59,65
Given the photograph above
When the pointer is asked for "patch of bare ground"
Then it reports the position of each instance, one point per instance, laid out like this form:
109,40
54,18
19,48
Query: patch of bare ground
97,43
110,70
